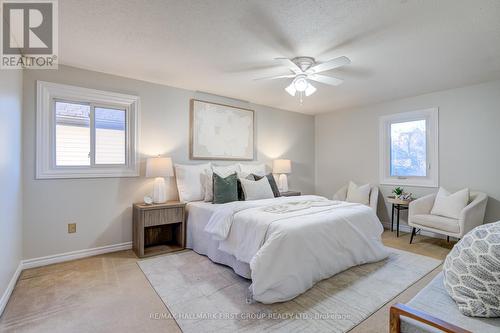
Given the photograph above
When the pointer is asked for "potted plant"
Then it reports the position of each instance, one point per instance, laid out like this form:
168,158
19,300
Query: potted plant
398,191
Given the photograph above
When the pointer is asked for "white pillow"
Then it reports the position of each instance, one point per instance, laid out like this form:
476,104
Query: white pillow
190,182
255,190
358,194
450,205
221,170
209,185
256,169
226,170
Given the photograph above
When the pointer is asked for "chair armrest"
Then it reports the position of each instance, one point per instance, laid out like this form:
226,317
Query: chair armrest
422,205
398,310
341,194
473,215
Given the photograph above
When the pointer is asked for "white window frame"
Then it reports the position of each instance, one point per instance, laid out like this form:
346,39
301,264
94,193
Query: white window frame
47,94
431,117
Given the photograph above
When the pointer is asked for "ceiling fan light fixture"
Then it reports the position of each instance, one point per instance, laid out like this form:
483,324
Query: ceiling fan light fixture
300,83
291,89
310,89
306,69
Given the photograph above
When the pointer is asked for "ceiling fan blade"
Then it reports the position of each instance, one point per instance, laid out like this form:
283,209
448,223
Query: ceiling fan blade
332,81
331,64
290,64
274,77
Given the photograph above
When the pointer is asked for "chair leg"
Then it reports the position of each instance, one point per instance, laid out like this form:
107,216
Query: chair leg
397,224
392,219
412,234
448,239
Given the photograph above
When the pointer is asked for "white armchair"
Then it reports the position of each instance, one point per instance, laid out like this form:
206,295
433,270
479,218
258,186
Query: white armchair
419,216
341,195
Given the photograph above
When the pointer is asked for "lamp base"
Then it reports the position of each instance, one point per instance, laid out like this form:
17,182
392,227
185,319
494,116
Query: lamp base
283,183
159,192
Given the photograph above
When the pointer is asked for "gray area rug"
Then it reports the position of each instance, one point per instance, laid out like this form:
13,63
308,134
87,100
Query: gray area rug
207,297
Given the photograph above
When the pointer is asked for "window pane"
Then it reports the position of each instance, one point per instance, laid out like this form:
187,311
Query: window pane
109,136
409,149
72,134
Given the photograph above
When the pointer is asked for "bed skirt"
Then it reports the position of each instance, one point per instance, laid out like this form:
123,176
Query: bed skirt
201,242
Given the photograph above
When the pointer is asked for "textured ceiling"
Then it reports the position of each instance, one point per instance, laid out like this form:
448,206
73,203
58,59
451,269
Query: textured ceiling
397,48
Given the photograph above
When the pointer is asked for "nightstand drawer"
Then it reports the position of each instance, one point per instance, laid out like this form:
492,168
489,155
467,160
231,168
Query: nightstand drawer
162,216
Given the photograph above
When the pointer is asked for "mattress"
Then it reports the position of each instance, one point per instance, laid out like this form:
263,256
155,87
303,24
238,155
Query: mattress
197,239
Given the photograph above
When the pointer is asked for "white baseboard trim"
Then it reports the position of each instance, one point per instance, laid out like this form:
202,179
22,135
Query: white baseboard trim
62,257
54,259
10,287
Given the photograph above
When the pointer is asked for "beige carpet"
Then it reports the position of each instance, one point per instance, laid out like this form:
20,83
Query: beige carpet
207,297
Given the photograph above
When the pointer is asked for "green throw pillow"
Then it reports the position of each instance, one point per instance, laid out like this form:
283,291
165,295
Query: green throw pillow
225,189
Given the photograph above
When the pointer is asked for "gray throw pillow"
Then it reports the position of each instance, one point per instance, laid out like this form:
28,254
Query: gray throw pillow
272,182
225,189
472,272
241,193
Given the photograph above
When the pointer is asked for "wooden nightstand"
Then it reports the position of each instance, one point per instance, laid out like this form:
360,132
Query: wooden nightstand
290,193
158,228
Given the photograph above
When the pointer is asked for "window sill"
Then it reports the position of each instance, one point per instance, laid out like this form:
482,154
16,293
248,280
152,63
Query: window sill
86,173
410,182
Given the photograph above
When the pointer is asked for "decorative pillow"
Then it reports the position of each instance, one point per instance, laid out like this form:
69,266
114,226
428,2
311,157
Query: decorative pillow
255,190
256,169
221,170
272,182
226,170
190,181
241,193
358,194
472,272
225,188
450,205
208,182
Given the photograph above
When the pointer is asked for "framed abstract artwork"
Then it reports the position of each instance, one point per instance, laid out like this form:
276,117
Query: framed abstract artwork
220,132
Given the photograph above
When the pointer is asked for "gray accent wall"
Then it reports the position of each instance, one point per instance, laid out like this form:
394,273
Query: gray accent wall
102,208
347,144
10,175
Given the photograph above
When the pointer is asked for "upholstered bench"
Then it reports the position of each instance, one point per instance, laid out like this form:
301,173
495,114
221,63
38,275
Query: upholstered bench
433,310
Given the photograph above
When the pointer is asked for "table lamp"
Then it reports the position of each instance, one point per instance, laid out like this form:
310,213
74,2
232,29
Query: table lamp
159,168
282,167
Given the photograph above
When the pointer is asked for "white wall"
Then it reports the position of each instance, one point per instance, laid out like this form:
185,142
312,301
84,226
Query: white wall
10,175
469,143
102,207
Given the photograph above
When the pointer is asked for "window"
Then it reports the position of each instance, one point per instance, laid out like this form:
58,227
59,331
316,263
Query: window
85,133
72,134
409,148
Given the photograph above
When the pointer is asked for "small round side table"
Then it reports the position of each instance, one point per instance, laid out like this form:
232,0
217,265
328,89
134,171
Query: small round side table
397,205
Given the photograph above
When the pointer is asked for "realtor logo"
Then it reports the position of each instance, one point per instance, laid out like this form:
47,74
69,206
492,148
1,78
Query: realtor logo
29,34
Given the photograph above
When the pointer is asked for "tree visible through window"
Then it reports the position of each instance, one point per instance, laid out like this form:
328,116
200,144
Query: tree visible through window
408,149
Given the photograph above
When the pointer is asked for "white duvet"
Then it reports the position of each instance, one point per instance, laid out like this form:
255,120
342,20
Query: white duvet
293,242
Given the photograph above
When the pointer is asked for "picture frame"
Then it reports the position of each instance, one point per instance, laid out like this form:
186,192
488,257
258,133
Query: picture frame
220,132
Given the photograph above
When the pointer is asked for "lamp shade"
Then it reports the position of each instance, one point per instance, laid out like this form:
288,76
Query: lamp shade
159,167
282,166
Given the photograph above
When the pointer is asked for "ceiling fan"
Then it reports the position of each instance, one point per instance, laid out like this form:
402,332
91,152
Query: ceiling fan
306,69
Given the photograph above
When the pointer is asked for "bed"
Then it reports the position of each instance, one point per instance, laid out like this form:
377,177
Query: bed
286,244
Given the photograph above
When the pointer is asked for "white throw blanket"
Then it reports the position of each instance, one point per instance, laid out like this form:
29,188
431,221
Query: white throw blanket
293,242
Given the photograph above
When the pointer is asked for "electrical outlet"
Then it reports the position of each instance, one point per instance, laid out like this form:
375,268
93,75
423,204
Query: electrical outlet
71,228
